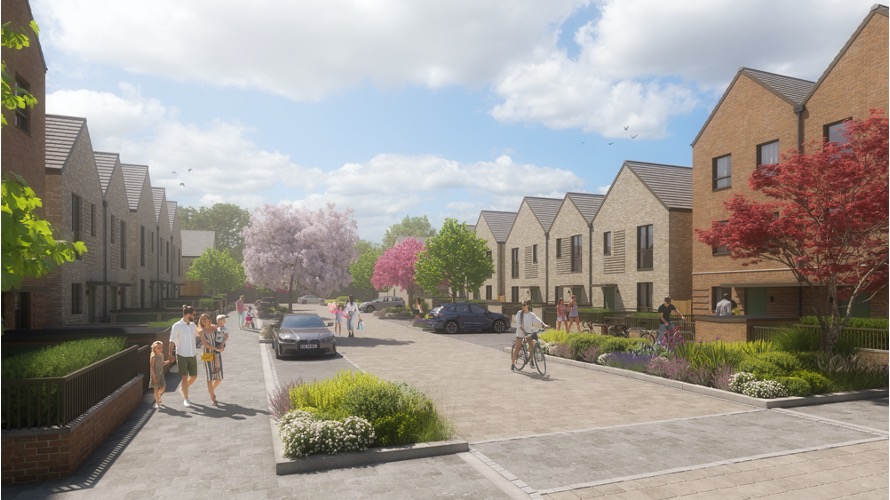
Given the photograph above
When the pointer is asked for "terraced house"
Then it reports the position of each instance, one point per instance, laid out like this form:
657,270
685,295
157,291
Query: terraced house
529,247
570,268
759,116
494,227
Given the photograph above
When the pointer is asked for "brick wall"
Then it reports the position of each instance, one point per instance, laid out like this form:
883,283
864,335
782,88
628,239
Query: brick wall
45,454
527,231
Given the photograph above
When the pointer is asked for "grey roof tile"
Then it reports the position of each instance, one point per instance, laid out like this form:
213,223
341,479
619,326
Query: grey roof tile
135,177
159,195
793,90
545,210
171,212
671,184
588,204
61,134
500,223
105,163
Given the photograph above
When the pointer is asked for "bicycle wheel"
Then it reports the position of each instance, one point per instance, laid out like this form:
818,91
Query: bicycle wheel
540,359
521,359
648,334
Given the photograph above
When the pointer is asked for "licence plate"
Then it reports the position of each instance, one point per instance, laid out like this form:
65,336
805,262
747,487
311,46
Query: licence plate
308,346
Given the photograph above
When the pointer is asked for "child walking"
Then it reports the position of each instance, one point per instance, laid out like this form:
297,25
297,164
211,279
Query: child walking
156,365
339,314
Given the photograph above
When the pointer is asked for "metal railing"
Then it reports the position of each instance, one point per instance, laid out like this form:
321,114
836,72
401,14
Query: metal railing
863,338
56,401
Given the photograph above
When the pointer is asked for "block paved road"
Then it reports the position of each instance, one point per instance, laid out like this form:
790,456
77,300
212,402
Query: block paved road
575,434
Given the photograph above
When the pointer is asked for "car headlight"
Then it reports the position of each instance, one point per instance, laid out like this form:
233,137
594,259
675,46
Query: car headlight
328,338
288,336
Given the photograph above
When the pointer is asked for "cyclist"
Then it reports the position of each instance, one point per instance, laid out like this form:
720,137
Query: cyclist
664,317
525,321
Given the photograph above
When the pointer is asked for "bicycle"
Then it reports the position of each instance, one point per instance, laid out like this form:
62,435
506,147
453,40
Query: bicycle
540,359
671,337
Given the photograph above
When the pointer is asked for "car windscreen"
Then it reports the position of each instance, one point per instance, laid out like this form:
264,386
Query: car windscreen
302,322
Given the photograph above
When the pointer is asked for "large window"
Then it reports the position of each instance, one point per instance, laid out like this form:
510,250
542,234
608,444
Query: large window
644,247
722,172
835,132
576,253
768,154
22,115
514,263
644,296
514,294
558,248
607,243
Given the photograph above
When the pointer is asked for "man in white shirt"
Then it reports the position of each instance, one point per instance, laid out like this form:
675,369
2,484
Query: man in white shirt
182,337
724,307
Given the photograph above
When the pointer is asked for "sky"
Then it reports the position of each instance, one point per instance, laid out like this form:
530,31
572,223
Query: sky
394,108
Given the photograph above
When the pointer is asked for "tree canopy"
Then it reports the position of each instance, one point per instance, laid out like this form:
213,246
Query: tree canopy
396,268
225,219
825,218
287,248
455,258
410,226
363,268
218,271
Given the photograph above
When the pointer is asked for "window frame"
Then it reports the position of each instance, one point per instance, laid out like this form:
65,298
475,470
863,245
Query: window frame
558,248
828,128
645,290
717,181
76,298
760,148
22,118
607,243
645,233
720,251
576,254
514,262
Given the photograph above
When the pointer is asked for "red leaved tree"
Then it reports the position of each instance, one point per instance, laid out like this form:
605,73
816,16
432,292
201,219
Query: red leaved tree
826,220
396,268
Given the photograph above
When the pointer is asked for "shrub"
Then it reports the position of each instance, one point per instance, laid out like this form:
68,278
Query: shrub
206,304
590,354
817,382
670,368
711,355
876,323
580,342
279,400
626,360
796,339
720,377
559,349
62,359
303,435
768,389
770,364
796,386
553,335
848,372
738,380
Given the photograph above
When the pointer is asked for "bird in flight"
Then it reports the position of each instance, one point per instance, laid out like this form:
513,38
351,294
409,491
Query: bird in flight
611,143
182,184
174,172
626,127
190,170
633,136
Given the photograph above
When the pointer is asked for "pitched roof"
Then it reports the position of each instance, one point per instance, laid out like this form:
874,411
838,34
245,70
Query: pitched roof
159,195
545,210
671,184
588,204
135,177
61,134
195,242
876,9
499,223
171,212
105,163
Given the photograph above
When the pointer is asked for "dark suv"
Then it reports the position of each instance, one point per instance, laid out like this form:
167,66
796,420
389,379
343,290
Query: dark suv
465,316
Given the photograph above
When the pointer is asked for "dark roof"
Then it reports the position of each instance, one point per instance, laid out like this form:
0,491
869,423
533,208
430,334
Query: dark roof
671,184
105,163
499,223
792,90
876,9
588,204
545,210
135,177
158,194
61,134
171,212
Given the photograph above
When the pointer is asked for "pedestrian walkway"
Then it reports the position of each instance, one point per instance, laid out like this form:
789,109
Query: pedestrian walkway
575,434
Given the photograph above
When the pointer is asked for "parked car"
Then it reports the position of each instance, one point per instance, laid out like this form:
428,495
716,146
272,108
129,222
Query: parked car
303,334
381,303
311,299
266,302
464,316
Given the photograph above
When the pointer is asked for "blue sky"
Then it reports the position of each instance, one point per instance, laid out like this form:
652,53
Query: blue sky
412,107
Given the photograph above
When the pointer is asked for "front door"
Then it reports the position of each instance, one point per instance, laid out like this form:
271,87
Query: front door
756,302
609,298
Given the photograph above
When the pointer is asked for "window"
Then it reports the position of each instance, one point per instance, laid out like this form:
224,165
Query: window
717,295
113,230
721,250
535,253
607,243
168,257
722,172
644,296
514,294
491,259
151,236
22,115
487,292
123,236
558,248
92,219
576,253
142,246
768,154
514,263
76,216
644,247
76,298
836,132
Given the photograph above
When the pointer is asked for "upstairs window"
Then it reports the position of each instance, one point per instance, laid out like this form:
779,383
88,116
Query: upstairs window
721,250
768,154
535,253
22,115
576,253
836,132
514,263
644,247
722,172
558,248
607,243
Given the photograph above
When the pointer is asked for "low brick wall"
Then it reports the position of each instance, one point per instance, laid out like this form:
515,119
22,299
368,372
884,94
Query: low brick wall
31,455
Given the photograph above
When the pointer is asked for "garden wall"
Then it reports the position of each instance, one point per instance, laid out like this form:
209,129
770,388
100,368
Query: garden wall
31,455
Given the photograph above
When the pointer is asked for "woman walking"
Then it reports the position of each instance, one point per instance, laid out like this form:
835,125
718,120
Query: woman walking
211,356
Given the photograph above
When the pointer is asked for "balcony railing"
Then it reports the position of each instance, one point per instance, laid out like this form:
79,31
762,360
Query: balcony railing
56,401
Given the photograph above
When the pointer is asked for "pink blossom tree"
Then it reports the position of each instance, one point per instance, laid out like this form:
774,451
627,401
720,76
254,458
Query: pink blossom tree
299,249
396,268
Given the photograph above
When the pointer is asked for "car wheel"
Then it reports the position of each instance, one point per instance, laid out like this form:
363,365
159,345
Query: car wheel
451,327
498,326
302,302
369,309
277,348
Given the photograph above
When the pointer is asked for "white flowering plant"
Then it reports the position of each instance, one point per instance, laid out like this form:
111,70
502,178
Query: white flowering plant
304,435
768,389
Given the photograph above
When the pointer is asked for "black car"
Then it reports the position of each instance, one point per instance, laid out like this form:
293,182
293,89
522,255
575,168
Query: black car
464,316
303,333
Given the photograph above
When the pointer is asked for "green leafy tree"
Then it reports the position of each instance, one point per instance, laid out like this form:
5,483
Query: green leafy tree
455,258
225,219
218,271
29,248
410,226
363,268
15,97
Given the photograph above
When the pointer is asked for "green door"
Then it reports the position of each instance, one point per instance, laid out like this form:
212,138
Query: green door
609,298
755,302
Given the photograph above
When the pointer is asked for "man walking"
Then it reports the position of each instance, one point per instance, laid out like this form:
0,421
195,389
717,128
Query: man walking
724,307
182,337
240,308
